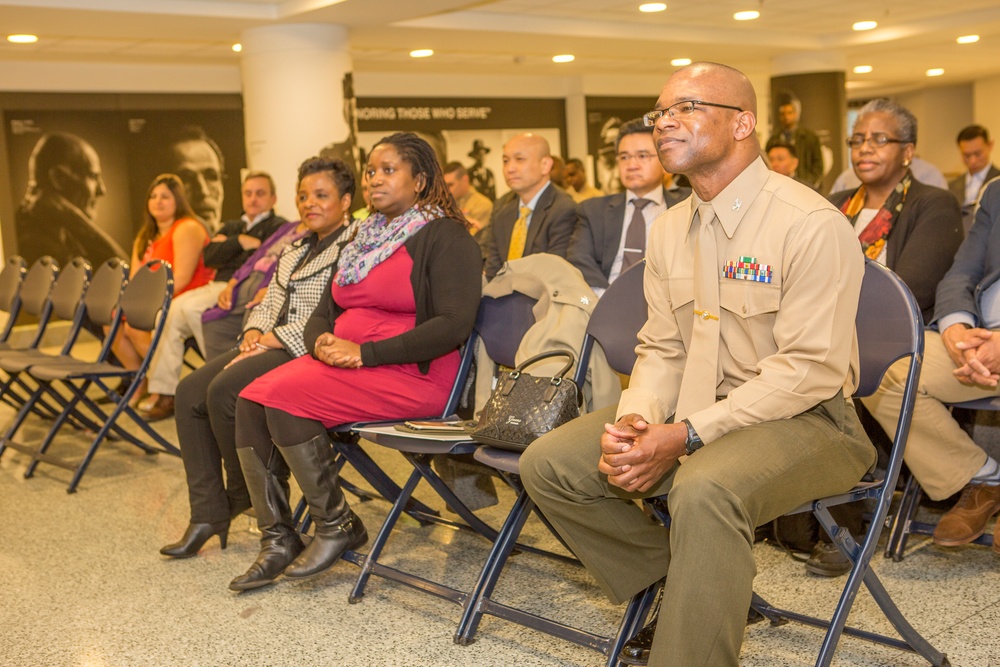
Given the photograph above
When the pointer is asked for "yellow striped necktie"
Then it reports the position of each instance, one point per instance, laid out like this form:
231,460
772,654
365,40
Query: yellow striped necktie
519,235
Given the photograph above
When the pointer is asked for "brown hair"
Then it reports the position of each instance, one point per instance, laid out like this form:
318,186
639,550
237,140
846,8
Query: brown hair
148,231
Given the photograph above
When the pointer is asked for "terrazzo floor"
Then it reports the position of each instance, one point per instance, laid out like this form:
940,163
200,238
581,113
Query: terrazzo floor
83,585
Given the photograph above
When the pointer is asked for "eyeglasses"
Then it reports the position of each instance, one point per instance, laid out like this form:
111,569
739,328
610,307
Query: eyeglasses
642,158
876,140
680,110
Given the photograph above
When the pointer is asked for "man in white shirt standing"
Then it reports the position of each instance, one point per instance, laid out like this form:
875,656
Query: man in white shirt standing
611,231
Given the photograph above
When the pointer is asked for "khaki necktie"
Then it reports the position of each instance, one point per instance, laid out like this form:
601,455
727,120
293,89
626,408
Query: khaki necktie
519,235
699,382
635,235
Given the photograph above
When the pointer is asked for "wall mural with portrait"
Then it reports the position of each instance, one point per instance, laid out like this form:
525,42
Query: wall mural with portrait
77,178
604,116
467,130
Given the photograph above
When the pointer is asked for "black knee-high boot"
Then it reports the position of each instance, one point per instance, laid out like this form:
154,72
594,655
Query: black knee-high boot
279,543
337,527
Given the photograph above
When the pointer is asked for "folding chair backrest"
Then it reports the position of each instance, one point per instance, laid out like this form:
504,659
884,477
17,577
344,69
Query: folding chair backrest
501,324
615,323
106,291
38,284
11,279
10,282
70,288
887,328
148,294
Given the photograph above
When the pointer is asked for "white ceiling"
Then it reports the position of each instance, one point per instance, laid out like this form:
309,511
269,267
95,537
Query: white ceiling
607,37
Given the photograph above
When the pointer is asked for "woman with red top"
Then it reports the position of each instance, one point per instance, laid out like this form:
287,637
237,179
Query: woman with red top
173,234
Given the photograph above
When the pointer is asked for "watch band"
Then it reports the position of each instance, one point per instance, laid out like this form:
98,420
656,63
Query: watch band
693,442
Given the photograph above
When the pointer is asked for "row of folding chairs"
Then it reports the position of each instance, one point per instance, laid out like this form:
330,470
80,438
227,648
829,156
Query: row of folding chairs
61,386
889,329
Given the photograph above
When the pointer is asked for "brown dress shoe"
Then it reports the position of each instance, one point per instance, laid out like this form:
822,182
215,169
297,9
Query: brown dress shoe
162,409
967,520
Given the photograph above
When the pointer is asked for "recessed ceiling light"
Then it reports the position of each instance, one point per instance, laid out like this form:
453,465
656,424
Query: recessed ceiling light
421,53
746,16
680,62
936,71
564,58
968,39
237,48
651,7
863,69
22,39
865,25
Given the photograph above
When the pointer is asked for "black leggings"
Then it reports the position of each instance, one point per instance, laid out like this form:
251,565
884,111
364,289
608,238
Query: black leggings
261,427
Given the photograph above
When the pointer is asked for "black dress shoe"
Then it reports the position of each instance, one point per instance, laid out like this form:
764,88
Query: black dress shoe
827,561
194,539
636,650
328,545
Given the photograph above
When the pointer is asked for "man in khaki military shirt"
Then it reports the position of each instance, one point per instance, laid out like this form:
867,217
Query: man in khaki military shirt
762,418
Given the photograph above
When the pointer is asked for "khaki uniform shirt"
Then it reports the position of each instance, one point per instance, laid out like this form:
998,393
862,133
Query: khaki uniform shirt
478,207
588,192
788,341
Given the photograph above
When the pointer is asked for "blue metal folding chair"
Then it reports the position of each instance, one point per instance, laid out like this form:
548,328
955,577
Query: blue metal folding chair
889,328
614,325
503,323
144,304
32,300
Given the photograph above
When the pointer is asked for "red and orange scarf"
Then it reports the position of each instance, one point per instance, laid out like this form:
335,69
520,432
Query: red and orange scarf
874,236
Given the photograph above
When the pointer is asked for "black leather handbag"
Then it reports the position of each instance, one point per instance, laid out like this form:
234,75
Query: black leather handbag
524,407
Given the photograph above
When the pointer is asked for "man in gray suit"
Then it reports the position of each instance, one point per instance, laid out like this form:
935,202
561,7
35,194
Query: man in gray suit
976,147
536,215
605,243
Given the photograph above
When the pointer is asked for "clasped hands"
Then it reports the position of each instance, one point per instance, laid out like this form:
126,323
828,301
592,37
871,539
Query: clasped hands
976,353
256,342
338,352
636,454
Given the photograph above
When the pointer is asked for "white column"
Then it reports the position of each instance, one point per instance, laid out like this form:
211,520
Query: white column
293,98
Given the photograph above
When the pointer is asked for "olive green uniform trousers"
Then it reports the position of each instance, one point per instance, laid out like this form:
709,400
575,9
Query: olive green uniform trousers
717,497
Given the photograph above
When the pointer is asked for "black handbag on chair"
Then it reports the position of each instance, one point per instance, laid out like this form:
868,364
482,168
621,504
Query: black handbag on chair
524,407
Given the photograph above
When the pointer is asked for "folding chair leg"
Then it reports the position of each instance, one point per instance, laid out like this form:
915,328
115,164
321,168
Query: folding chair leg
632,621
909,503
383,536
374,475
472,613
422,462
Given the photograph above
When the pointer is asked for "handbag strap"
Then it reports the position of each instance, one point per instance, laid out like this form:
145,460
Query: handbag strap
571,359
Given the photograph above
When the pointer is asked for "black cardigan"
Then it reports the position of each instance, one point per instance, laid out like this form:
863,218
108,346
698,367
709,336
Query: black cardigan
447,287
924,240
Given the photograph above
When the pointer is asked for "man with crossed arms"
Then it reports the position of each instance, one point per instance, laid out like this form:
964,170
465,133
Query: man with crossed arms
749,378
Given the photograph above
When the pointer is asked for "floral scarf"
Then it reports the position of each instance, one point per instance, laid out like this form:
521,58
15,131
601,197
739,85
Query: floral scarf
873,237
377,239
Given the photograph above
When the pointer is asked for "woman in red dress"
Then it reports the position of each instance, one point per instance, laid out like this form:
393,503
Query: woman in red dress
171,233
384,345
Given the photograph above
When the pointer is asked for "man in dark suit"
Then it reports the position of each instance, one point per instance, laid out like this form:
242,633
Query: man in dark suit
535,216
806,142
602,246
976,147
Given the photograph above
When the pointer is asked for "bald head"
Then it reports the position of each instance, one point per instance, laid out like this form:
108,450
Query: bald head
728,81
527,163
65,164
713,142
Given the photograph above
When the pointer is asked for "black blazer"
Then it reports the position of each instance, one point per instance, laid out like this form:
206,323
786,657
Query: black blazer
598,233
924,240
551,226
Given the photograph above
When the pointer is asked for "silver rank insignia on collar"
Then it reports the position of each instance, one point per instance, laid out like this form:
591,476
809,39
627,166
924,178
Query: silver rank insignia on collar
584,300
737,204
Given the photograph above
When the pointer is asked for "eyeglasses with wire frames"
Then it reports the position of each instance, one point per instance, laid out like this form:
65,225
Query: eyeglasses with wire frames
681,110
875,140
